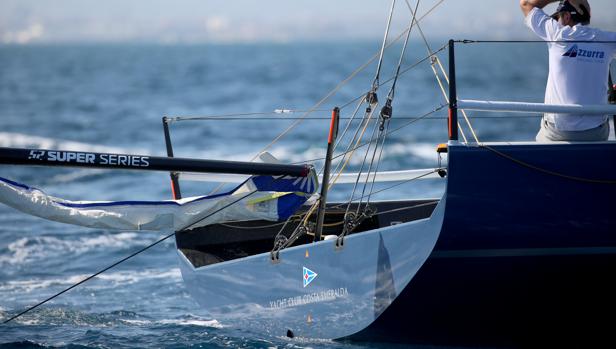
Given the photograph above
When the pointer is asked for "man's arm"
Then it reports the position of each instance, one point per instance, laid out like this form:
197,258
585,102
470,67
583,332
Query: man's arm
529,5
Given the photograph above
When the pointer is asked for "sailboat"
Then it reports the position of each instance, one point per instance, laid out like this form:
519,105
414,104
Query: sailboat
521,244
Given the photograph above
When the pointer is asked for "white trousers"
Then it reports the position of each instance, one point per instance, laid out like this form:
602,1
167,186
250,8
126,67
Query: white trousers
547,133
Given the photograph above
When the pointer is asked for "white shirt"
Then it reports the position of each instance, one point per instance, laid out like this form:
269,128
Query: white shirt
578,71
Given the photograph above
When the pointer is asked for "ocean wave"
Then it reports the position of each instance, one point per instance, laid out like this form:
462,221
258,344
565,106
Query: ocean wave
125,277
191,321
20,140
36,248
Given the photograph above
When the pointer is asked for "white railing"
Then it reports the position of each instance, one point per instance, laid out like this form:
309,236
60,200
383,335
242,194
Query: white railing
522,107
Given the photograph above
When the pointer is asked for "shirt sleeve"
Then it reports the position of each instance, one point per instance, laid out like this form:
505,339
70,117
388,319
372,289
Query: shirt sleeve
541,24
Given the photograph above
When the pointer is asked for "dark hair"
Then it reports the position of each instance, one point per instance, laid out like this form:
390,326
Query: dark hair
565,6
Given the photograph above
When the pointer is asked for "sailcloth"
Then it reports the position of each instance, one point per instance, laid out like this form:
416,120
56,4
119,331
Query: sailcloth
259,197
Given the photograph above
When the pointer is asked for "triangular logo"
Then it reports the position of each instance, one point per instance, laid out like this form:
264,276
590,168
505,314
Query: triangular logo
308,276
572,52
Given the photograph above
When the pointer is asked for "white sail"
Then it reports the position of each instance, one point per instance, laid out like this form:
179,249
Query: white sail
259,197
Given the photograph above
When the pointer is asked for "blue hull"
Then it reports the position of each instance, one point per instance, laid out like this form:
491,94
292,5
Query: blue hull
526,256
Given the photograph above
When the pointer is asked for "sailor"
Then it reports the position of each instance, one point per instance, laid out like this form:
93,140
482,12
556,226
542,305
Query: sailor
578,70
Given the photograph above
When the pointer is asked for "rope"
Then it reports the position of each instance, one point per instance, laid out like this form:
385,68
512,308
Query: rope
396,185
390,95
236,115
532,41
328,224
438,80
412,121
546,171
375,82
361,169
378,162
405,70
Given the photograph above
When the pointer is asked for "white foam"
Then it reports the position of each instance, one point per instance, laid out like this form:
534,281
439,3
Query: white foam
192,322
181,322
422,150
136,322
117,278
131,277
27,286
36,248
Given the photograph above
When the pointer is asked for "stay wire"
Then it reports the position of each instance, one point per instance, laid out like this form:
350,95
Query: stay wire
466,41
361,169
390,95
404,71
438,79
378,162
375,82
412,121
382,130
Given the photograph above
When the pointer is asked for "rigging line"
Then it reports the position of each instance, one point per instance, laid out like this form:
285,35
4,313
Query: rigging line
89,277
375,82
419,118
224,116
390,95
404,71
464,114
532,41
355,140
378,162
438,79
376,148
442,87
361,169
546,171
395,185
345,163
400,117
240,227
350,77
295,235
128,257
340,138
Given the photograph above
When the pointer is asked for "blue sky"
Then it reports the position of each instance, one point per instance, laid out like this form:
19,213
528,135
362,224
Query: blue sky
188,21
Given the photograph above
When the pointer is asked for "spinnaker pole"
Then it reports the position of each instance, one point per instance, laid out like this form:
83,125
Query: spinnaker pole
63,158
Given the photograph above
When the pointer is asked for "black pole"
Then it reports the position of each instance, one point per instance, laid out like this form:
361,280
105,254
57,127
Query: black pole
175,184
612,96
333,133
62,158
453,96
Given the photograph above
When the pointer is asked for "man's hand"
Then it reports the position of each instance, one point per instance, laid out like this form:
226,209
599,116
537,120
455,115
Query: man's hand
528,5
581,6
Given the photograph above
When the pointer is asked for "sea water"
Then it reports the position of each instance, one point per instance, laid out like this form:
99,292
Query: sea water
111,98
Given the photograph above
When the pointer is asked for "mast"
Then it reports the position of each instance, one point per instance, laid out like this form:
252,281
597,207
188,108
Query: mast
62,158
